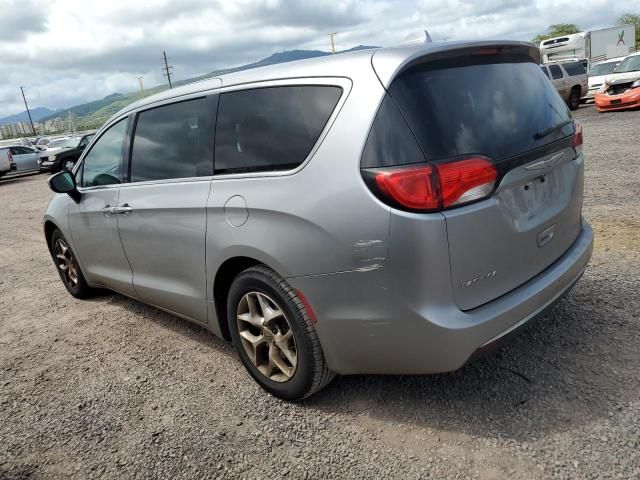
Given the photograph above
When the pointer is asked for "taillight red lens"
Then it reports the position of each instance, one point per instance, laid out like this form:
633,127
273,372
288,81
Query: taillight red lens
576,143
442,185
465,180
412,187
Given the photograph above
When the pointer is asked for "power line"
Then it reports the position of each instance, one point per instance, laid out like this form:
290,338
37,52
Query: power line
168,69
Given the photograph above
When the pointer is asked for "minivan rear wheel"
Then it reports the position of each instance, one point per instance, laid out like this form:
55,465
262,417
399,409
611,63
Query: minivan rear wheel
274,335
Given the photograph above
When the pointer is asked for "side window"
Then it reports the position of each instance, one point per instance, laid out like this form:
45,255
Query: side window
545,71
556,72
173,141
102,165
271,128
574,68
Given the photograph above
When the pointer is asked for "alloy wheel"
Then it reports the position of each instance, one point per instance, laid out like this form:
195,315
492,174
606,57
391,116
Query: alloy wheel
267,336
66,263
68,165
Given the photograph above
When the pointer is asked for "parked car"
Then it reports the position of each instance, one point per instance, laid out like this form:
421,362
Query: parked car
597,75
43,143
24,158
15,141
6,163
621,89
570,80
396,211
65,157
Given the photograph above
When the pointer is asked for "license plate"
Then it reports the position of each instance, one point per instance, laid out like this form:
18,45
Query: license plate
616,101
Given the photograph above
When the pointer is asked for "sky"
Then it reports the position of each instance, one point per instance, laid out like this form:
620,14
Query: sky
66,52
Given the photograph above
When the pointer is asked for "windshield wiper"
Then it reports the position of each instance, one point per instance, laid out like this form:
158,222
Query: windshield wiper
553,128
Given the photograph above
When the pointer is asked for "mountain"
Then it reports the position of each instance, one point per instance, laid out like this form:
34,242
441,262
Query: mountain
36,114
93,114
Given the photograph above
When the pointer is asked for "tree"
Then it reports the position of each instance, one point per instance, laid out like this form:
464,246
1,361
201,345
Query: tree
557,30
631,19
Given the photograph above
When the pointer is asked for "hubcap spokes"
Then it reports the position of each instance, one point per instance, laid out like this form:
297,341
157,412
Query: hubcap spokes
66,263
267,337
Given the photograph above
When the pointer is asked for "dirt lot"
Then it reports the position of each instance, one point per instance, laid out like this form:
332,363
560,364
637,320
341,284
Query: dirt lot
110,388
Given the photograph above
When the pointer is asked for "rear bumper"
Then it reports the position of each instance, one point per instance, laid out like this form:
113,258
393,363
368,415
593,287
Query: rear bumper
367,325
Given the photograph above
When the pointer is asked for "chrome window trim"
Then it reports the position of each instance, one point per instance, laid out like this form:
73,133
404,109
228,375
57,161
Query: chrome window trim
343,82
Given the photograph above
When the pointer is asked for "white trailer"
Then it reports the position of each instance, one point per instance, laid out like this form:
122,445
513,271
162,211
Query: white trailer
593,46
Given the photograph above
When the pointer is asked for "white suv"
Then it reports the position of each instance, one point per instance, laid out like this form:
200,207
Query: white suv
570,80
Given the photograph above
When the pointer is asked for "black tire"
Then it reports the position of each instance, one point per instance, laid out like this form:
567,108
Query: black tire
574,99
65,167
311,372
79,288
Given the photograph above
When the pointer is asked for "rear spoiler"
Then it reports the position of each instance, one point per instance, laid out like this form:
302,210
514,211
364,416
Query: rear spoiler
389,62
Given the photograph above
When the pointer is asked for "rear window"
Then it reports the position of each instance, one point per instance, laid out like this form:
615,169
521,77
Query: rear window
494,107
574,68
271,128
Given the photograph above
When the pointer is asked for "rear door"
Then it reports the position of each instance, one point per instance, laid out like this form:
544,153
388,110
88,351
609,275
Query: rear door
559,80
162,219
500,107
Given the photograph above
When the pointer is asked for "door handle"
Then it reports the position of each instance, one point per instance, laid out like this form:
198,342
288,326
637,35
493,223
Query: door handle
123,210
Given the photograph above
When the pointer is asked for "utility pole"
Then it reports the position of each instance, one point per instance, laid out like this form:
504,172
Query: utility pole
333,45
33,129
168,69
141,87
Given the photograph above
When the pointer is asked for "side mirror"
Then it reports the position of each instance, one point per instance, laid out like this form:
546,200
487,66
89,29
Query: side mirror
65,182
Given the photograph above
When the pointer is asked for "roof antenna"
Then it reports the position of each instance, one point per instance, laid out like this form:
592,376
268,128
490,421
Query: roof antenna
417,38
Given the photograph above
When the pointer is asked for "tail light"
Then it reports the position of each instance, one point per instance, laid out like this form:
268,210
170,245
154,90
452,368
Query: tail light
576,143
429,188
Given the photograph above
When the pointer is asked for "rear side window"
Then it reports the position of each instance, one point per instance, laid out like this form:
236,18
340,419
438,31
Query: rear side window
172,141
556,71
390,141
574,68
271,128
497,106
545,71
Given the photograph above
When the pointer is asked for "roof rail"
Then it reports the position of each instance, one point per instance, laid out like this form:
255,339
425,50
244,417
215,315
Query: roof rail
417,38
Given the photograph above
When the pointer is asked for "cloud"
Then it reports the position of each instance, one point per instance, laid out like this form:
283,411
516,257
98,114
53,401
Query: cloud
67,52
20,18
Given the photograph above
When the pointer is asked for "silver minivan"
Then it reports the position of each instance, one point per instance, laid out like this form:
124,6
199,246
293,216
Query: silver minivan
394,211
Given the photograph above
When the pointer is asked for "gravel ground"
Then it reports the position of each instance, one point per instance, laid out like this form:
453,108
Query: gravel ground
111,388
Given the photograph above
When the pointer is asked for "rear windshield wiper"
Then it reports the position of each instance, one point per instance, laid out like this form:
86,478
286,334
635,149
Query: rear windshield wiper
553,128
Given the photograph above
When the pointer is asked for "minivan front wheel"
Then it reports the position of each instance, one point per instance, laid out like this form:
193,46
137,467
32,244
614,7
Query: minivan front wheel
67,266
274,335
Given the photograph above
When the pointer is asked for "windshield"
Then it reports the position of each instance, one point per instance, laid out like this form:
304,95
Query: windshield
43,141
456,108
71,142
58,143
602,68
629,64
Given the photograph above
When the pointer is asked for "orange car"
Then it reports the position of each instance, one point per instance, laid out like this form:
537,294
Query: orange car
618,95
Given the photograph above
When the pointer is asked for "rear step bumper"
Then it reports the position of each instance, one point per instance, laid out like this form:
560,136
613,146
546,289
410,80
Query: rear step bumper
366,326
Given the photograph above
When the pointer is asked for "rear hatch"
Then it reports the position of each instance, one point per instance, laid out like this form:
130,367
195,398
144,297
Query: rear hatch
496,104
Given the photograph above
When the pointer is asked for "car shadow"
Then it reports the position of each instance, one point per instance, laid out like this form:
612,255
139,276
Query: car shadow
560,373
